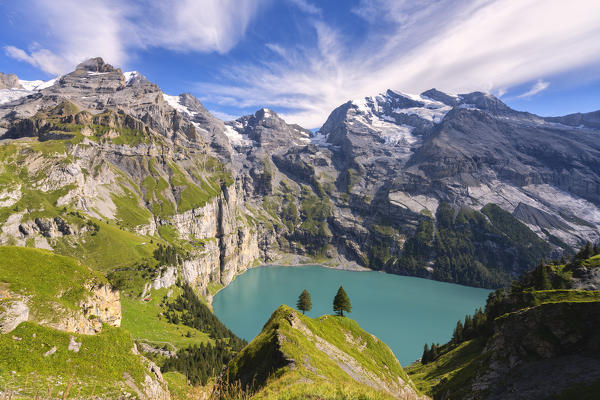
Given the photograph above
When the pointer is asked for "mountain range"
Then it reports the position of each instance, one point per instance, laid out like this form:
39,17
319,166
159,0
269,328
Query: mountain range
123,210
388,182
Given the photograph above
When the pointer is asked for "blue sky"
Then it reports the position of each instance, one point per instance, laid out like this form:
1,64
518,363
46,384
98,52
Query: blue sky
303,58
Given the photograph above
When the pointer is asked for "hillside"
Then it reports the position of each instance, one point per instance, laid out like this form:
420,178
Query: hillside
60,332
329,357
64,328
538,339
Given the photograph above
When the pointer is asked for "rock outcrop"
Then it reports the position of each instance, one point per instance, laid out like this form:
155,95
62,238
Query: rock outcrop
544,350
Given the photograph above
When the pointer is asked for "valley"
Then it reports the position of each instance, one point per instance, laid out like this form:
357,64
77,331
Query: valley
127,215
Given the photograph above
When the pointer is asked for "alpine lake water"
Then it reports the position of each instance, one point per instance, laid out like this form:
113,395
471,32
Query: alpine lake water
405,312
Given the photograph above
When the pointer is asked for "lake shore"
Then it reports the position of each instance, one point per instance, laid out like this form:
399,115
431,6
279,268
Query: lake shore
295,260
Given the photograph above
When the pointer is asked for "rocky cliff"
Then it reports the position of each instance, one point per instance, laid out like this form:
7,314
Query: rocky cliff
537,340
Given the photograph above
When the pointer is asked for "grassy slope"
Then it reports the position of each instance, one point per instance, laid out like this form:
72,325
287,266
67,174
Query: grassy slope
143,320
453,370
314,375
110,248
98,367
46,278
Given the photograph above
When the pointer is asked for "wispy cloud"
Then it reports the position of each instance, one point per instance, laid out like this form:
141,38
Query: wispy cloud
80,29
539,86
305,6
455,46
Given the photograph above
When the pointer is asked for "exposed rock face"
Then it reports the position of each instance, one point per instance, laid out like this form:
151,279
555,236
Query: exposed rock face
544,349
166,279
12,313
9,81
103,306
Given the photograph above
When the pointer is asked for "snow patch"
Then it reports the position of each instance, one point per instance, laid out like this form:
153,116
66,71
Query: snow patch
37,85
29,87
393,133
319,139
434,114
10,95
130,75
235,138
173,101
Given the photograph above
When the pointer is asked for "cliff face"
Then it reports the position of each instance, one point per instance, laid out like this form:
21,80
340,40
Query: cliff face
542,351
102,306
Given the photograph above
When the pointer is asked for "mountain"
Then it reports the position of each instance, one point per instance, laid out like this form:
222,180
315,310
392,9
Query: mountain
330,357
537,340
459,188
148,204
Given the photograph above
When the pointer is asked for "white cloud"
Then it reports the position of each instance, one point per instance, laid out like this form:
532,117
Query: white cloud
457,46
305,6
454,45
539,86
80,29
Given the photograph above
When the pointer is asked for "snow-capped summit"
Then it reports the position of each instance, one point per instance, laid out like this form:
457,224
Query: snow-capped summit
12,88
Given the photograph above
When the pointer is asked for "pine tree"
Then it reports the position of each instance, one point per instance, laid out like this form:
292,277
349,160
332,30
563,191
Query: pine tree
434,353
585,252
341,302
596,249
543,277
468,328
425,356
457,336
304,303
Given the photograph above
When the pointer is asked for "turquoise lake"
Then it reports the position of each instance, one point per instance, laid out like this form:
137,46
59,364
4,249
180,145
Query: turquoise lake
404,312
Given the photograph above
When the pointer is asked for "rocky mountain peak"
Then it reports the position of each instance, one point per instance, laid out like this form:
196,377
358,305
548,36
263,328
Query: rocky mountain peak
435,94
95,64
484,101
9,81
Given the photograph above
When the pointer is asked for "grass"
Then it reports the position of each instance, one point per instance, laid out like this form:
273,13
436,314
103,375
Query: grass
452,371
46,278
565,295
154,187
131,213
108,249
178,385
214,287
97,368
143,320
192,195
314,374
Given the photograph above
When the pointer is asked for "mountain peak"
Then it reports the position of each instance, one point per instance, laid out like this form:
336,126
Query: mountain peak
95,64
9,81
445,98
484,101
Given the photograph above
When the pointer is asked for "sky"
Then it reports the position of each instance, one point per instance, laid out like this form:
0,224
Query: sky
303,58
